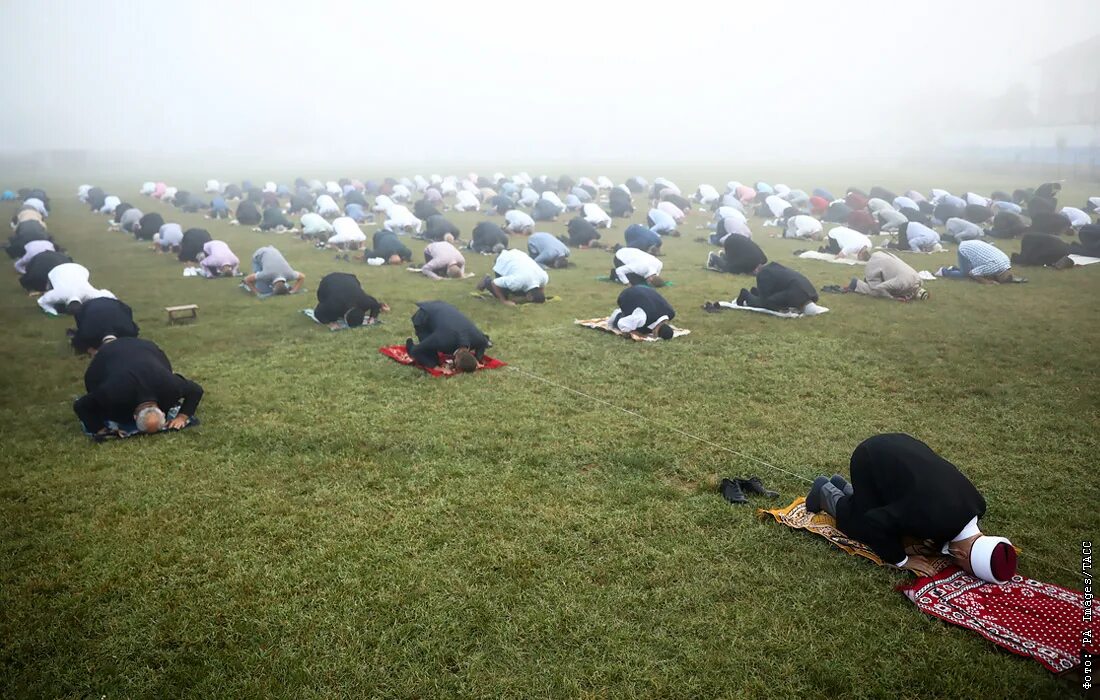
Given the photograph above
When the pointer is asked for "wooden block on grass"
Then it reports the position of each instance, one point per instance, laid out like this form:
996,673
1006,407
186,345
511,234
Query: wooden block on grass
179,314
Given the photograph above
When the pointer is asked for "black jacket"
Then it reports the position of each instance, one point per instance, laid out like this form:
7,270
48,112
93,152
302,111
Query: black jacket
742,254
192,243
387,243
99,317
647,299
904,489
486,235
340,292
128,372
441,328
37,276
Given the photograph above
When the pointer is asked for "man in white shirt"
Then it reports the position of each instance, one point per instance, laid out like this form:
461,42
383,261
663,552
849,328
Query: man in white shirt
168,238
516,276
595,215
31,249
516,221
326,206
401,219
346,234
890,219
109,204
660,222
706,195
844,242
382,203
315,226
804,226
1077,217
633,266
69,288
672,210
466,201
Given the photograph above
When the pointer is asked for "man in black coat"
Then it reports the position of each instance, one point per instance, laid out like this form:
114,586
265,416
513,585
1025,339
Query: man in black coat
25,232
1042,249
780,288
388,246
37,276
488,237
102,319
192,244
740,256
582,234
902,489
441,328
132,379
340,296
148,226
644,311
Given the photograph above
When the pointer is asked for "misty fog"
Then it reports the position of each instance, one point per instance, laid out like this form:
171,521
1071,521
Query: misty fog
434,81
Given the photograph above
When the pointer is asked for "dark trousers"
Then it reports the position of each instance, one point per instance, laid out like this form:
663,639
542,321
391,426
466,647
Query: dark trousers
630,276
781,300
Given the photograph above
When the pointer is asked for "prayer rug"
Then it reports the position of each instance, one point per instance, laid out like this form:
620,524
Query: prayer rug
780,314
829,257
417,270
1083,259
446,368
796,516
129,429
341,325
1038,620
520,301
600,324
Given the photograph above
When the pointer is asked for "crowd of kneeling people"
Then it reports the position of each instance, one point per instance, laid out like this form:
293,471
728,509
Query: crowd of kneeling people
899,487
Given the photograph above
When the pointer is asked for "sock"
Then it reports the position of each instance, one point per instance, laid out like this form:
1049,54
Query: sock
830,495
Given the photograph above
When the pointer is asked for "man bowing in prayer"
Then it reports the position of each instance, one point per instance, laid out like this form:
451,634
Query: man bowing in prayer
441,328
902,489
99,321
644,311
516,275
132,379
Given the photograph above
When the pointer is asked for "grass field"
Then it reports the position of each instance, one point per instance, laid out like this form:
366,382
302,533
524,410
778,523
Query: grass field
343,525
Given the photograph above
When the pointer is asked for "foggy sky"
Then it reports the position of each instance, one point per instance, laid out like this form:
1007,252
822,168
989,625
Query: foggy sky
482,80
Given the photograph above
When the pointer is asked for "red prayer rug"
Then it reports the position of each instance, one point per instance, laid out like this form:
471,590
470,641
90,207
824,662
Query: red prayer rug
446,367
1027,617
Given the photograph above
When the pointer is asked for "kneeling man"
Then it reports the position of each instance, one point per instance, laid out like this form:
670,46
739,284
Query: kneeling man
644,311
441,328
902,489
132,379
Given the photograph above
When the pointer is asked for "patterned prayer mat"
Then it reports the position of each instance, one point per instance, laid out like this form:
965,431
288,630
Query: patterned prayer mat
796,516
446,368
1037,620
600,324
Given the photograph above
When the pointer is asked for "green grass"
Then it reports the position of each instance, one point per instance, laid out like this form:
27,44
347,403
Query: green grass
343,525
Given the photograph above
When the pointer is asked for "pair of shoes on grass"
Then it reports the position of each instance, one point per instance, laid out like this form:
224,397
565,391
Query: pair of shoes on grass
734,490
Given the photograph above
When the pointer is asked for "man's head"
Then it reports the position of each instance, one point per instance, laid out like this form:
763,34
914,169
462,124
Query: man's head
498,249
465,360
448,238
279,286
536,295
864,253
149,418
354,317
655,281
394,259
664,331
72,307
226,270
991,559
1004,277
454,271
559,262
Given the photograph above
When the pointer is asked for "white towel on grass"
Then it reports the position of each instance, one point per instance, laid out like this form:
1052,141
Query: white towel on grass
829,257
811,309
1083,259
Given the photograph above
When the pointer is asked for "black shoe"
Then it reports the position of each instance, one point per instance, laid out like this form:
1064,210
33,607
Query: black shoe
798,252
753,485
743,297
408,345
731,491
832,289
711,308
